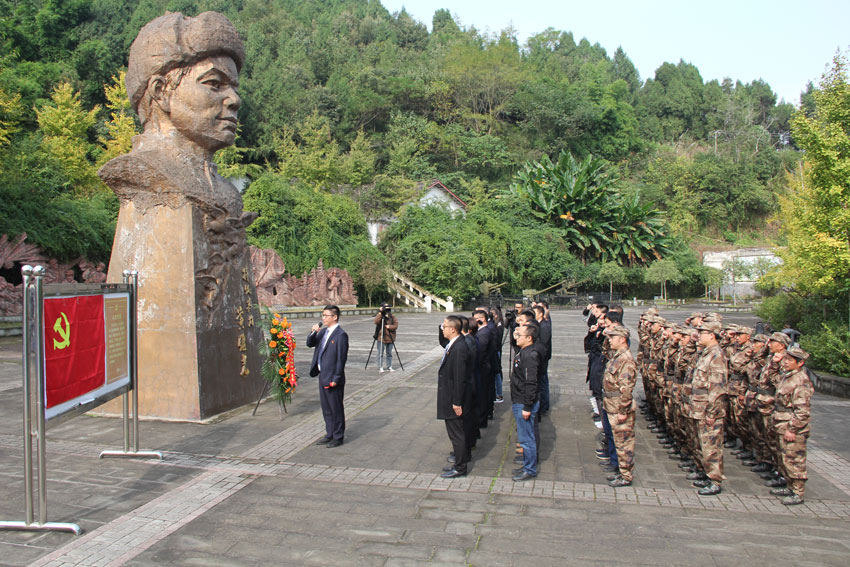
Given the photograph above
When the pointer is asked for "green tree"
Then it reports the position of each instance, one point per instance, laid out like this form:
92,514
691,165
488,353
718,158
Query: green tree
816,216
611,273
662,272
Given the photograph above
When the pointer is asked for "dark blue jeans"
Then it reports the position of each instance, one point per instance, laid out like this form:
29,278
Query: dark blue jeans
526,437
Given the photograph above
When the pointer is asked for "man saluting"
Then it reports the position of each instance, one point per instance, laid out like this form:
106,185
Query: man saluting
329,365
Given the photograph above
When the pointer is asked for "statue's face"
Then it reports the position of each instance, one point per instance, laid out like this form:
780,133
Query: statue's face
203,107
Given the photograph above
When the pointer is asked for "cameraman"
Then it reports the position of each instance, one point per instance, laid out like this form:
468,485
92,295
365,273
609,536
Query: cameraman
386,342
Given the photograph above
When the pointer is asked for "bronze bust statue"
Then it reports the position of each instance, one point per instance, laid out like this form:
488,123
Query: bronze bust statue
180,224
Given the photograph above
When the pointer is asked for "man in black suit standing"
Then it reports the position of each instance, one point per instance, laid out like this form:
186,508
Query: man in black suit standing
545,339
486,336
454,394
329,365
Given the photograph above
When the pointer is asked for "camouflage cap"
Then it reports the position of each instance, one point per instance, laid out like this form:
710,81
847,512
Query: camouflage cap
681,329
711,327
732,327
174,40
797,353
698,314
655,319
746,330
781,338
651,311
616,331
761,338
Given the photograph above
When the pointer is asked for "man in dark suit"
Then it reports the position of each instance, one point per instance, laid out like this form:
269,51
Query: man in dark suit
486,336
545,339
329,365
454,394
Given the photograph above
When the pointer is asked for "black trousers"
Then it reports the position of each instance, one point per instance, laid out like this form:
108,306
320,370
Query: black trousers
454,427
333,411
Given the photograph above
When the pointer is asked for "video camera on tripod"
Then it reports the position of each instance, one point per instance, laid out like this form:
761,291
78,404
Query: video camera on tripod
386,318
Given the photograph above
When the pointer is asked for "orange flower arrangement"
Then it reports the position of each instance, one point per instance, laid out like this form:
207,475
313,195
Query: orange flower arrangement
279,367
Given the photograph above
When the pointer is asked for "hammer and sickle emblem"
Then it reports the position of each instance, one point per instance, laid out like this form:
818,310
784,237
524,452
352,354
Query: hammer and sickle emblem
64,331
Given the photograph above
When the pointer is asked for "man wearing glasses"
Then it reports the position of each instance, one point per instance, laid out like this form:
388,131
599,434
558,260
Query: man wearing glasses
329,365
525,401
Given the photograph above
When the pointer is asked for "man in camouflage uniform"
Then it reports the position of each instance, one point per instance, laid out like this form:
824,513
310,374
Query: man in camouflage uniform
708,407
618,384
791,421
764,401
756,449
684,353
738,361
656,374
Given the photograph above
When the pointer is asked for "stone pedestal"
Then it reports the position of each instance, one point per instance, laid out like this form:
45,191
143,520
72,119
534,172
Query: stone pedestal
198,327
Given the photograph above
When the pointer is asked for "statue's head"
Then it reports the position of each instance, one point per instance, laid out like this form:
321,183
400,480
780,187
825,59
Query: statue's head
183,75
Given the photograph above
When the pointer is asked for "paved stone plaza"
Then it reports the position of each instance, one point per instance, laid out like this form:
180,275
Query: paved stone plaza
256,491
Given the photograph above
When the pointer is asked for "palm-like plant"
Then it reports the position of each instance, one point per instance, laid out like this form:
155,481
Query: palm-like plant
578,197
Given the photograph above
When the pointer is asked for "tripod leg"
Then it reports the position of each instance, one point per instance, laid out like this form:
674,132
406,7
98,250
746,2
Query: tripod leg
370,353
260,399
398,357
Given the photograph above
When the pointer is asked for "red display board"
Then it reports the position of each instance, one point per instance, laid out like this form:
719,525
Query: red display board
86,349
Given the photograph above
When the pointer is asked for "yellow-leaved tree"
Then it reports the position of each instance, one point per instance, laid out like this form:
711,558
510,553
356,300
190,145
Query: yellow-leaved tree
65,126
122,125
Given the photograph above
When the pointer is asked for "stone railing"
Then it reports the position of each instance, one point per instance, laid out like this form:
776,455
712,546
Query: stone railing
412,294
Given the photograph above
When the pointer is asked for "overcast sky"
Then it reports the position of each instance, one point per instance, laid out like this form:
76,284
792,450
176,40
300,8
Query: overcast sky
782,42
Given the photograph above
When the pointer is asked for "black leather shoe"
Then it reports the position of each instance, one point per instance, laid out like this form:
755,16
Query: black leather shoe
686,464
324,441
713,489
450,459
767,475
448,468
701,483
774,482
745,455
453,473
518,460
696,475
620,482
762,467
515,472
334,443
781,491
523,476
749,462
614,476
731,443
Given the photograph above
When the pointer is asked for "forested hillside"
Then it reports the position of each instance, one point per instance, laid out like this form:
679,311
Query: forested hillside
348,100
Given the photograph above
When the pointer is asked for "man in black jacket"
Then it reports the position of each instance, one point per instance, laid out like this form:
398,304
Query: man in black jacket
545,339
453,394
524,399
489,343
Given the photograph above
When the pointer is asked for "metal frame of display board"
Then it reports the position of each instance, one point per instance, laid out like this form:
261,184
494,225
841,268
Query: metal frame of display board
33,347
